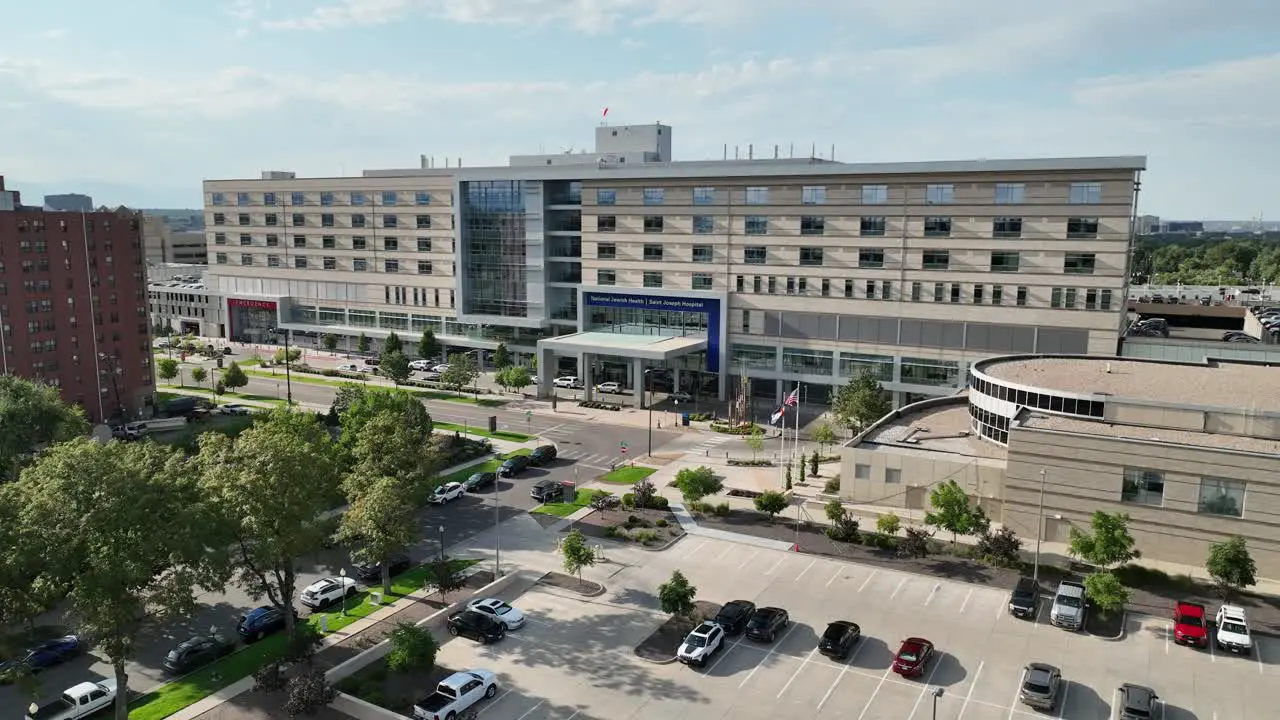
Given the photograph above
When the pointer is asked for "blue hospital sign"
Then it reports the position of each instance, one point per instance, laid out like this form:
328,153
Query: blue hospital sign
707,306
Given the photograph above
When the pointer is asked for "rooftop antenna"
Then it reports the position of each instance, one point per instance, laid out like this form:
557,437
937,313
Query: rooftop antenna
813,150
775,152
568,150
833,152
793,151
726,151
751,151
735,152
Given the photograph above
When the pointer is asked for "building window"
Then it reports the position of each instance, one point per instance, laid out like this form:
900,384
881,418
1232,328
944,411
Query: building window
273,261
1055,298
773,285
653,252
1010,193
357,199
328,242
217,199
1005,261
703,254
299,219
357,221
271,219
741,283
1079,263
358,242
300,261
326,199
977,294
757,196
916,291
606,223
756,284
879,367
221,258
871,227
810,256
219,238
861,472
1221,497
326,220
606,251
1069,299
246,259
704,196
424,244
939,194
892,476
1080,228
654,196
939,292
652,279
606,197
936,260
1086,193
997,294
391,266
757,225
653,223
360,265
606,277
299,241
298,198
390,221
423,222
242,199
421,198
244,219
869,290
875,194
424,267
1143,487
755,255
925,371
703,225
826,287
955,292
390,244
219,219
702,281
246,239
813,195
848,288
1104,302
1021,299
330,263
871,258
813,225
1090,299
804,361
1006,227
937,227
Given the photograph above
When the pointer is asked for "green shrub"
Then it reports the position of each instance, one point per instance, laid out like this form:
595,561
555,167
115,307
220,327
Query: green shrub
612,531
329,372
832,486
657,502
661,522
700,417
746,462
644,537
629,501
728,429
721,510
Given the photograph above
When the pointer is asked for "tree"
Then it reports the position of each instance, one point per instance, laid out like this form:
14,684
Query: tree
788,485
219,388
428,346
1001,547
1231,566
888,523
1108,545
233,377
358,404
286,357
501,358
844,526
167,368
308,693
387,446
392,344
813,464
444,577
412,648
395,367
199,375
514,377
268,488
460,373
363,343
102,519
380,522
643,492
1106,592
697,483
33,416
914,544
771,502
578,555
676,596
825,436
755,442
860,402
329,342
953,513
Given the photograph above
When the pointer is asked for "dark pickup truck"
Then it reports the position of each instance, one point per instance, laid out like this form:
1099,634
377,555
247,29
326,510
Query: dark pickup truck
1025,598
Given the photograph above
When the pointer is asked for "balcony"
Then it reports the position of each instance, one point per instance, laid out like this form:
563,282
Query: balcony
568,312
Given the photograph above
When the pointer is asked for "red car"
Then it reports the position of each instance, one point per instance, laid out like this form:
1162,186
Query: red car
1190,626
914,655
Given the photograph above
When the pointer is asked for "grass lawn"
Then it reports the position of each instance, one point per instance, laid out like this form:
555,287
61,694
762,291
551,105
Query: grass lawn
420,392
482,432
172,697
627,475
566,509
228,396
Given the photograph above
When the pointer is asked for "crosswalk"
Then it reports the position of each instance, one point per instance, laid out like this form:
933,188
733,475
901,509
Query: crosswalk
596,461
709,444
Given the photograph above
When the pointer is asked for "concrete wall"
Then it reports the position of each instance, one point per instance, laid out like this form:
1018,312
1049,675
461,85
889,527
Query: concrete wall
982,478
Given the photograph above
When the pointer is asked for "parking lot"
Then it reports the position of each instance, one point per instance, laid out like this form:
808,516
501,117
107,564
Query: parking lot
574,659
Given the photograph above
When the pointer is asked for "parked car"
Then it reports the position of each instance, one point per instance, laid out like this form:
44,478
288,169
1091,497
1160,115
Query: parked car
609,387
542,455
372,362
261,622
1024,601
504,612
419,364
480,481
839,639
1233,630
1138,702
545,491
513,465
733,616
477,626
914,655
1068,606
429,376
766,622
680,396
439,369
1041,684
235,409
349,367
77,701
196,652
567,381
456,694
447,492
371,572
701,644
45,655
1190,624
323,593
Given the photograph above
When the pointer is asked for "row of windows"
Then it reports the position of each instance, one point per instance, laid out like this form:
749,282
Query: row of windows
330,242
81,223
1081,193
356,198
978,294
303,262
1042,401
869,226
809,361
358,221
1217,496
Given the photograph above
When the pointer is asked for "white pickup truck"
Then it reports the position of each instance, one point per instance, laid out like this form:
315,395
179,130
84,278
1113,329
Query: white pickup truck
76,702
455,694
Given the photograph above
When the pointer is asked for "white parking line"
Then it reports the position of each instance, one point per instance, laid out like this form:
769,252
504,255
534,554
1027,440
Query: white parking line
1062,706
574,715
969,695
864,582
1017,691
530,710
844,668
767,655
965,604
1213,655
834,575
901,582
1257,655
492,702
925,688
797,672
1167,632
875,692
694,550
775,565
749,559
806,569
932,593
728,549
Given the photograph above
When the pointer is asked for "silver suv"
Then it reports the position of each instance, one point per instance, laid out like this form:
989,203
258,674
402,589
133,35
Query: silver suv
1068,606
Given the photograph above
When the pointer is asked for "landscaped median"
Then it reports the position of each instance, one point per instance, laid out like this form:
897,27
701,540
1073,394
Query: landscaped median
482,432
565,509
184,691
306,376
627,475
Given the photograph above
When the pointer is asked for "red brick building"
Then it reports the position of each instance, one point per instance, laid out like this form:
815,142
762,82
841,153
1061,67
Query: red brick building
73,305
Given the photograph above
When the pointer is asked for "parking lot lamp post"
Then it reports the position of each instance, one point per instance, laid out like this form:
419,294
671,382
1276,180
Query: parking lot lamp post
648,377
1035,573
288,379
343,573
441,529
497,533
937,693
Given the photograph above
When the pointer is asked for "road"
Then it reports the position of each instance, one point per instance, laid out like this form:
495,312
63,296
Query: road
585,452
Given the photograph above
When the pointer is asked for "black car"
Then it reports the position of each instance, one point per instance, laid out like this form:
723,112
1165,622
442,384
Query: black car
1025,598
261,622
196,652
733,616
765,623
545,491
477,626
480,481
371,572
514,465
839,639
542,455
1138,702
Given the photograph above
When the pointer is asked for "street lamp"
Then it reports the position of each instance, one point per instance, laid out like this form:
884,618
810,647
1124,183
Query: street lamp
343,573
288,379
648,378
937,693
497,533
442,539
1035,573
113,367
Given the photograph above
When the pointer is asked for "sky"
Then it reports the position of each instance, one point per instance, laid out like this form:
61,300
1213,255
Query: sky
137,101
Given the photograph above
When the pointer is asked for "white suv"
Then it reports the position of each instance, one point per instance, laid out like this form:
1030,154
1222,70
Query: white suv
568,381
1233,630
700,645
609,387
328,591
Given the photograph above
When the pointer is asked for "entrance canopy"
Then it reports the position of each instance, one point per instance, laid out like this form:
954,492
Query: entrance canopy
644,347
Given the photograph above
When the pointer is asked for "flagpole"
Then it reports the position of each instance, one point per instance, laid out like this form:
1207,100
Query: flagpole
782,449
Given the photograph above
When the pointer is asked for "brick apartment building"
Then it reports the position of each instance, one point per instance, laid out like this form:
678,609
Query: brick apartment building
73,305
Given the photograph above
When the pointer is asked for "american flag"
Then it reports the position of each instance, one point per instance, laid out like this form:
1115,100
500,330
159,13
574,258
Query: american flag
793,398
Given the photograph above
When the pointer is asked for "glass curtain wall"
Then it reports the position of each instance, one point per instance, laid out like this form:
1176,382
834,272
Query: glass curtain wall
493,226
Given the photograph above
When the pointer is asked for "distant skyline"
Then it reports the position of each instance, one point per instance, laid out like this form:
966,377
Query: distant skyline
136,102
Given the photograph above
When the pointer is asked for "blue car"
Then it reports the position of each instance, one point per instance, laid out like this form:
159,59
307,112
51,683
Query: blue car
45,655
261,622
